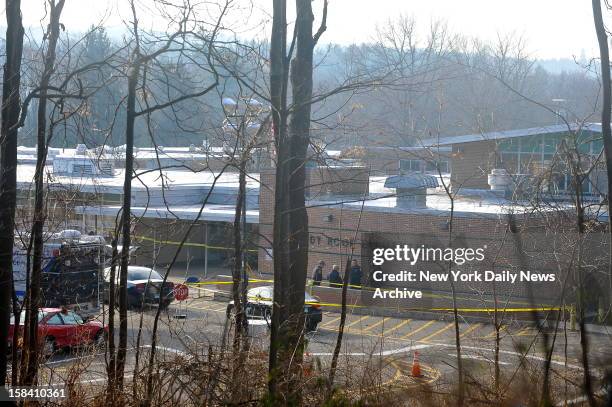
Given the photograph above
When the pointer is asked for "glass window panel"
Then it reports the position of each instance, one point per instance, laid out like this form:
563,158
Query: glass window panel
509,162
55,320
597,145
531,144
584,148
508,145
584,140
530,163
433,166
70,318
550,143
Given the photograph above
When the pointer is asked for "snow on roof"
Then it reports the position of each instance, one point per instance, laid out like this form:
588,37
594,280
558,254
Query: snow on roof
499,135
147,180
211,212
468,203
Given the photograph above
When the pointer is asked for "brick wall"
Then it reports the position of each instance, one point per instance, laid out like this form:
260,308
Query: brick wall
471,163
547,244
325,181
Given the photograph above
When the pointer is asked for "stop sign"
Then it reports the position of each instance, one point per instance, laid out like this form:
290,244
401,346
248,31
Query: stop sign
181,292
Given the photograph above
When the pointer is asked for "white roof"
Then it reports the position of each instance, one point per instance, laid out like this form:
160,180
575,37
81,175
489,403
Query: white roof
498,135
469,203
147,180
211,212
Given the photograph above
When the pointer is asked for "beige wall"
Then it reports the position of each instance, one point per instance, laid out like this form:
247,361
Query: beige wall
471,163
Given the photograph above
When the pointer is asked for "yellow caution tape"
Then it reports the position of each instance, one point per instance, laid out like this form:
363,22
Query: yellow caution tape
364,288
336,305
188,244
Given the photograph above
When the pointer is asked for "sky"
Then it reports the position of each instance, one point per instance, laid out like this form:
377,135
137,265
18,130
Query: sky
551,28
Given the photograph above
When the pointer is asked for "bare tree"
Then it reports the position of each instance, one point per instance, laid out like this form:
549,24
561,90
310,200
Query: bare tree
606,107
33,296
290,236
8,167
138,61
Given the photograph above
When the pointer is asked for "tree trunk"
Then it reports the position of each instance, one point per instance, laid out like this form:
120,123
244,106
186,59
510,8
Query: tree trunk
34,303
237,269
337,348
241,324
290,238
606,131
460,373
8,168
126,224
278,98
112,289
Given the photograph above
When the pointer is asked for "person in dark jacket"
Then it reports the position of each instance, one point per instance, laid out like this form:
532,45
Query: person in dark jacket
355,275
317,274
335,279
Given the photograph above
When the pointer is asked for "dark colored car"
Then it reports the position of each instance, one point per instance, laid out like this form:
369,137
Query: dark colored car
259,305
61,328
144,287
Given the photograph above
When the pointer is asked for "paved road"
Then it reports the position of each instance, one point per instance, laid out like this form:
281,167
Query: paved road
391,342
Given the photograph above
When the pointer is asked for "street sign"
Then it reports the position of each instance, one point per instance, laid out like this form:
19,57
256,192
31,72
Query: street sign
181,292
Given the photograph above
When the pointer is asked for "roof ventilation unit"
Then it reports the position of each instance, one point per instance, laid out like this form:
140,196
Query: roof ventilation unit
411,189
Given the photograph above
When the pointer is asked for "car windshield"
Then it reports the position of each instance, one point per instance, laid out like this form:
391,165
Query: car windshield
144,274
262,292
267,293
71,318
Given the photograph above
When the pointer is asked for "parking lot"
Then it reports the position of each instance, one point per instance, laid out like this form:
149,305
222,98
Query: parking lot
197,323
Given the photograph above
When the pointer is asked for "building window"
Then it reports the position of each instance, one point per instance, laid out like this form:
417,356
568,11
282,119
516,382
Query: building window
433,166
537,155
82,169
416,165
411,165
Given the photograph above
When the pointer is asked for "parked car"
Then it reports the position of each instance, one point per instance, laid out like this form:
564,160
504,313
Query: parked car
259,305
144,287
60,328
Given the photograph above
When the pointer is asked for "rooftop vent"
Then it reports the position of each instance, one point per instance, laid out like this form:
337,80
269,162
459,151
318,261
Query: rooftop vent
411,189
81,149
192,148
499,181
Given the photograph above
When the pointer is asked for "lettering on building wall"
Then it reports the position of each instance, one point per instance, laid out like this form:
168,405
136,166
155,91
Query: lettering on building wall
318,240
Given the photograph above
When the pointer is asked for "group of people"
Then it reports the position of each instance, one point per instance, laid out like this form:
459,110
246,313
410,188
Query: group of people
335,278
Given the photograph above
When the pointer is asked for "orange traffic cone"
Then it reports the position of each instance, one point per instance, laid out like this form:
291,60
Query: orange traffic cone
416,367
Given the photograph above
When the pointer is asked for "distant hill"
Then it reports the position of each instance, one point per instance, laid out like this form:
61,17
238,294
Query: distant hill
557,66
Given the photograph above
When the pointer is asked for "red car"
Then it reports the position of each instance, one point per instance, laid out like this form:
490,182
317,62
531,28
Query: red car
61,328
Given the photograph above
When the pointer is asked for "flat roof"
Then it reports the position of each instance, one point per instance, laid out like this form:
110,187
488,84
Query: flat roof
211,212
468,204
506,134
148,179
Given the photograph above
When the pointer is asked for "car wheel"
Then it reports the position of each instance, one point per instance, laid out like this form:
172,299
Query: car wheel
49,347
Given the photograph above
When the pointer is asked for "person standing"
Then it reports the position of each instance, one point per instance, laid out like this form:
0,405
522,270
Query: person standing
335,279
317,274
355,275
